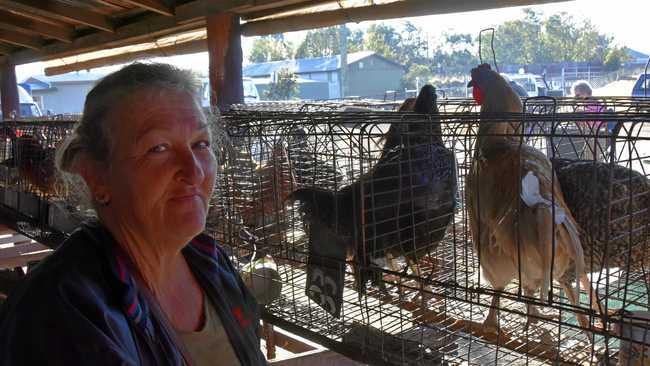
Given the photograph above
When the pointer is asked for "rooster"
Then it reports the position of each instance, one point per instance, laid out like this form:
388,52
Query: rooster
35,163
516,207
407,199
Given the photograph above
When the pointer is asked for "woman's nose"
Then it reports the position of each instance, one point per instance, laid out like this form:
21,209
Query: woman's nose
191,170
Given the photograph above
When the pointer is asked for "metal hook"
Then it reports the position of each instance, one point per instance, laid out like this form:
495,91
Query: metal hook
645,78
480,47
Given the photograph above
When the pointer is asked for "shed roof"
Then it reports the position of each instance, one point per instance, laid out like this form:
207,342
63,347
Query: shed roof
71,77
46,30
309,65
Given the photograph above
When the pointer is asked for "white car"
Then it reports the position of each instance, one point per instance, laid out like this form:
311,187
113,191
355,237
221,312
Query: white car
28,108
250,92
532,84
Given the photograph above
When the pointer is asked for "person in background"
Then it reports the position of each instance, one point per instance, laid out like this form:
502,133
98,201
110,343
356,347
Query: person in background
141,285
594,132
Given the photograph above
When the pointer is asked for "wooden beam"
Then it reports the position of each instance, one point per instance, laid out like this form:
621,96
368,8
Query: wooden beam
30,26
153,5
204,8
225,54
200,45
58,11
398,9
190,16
19,39
9,90
6,49
285,9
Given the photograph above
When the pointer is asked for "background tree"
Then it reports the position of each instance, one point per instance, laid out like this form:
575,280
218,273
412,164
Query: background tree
517,41
270,48
383,39
615,58
417,72
326,42
283,87
455,54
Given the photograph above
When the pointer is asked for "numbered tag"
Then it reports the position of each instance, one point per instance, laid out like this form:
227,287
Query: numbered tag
326,269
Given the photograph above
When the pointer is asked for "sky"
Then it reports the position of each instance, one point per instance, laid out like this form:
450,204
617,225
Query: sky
626,20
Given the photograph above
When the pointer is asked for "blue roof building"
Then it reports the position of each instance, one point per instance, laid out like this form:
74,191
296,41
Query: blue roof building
368,74
64,93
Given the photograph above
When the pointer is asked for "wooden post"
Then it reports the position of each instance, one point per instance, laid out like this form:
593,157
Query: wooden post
225,53
269,335
8,90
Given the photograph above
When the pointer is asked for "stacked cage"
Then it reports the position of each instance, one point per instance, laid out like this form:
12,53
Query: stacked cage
371,231
34,200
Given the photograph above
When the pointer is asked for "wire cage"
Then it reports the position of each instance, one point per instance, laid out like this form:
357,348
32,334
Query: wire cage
383,266
33,199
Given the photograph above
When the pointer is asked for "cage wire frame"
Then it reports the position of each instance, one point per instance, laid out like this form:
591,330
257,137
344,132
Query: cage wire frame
33,198
434,318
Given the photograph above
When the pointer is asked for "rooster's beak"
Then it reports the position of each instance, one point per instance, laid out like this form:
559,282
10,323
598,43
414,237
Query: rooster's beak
470,84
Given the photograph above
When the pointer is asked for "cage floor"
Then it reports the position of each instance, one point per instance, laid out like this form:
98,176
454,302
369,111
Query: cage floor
449,322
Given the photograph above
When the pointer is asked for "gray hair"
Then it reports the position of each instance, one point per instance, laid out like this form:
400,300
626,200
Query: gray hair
92,136
583,86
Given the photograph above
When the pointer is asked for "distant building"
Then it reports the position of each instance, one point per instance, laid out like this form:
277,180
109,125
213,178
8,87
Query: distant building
62,93
636,57
368,74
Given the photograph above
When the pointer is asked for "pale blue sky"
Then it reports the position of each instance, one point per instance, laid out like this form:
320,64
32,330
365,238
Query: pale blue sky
626,20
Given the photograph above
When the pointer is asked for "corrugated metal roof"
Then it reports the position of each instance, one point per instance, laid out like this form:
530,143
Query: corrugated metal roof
64,78
304,65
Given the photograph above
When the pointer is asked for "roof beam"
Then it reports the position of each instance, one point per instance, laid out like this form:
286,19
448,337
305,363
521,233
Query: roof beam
58,11
22,40
203,8
190,16
5,49
177,49
284,9
153,5
30,26
397,9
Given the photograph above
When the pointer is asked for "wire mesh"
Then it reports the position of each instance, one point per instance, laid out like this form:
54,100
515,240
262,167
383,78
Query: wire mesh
33,199
420,296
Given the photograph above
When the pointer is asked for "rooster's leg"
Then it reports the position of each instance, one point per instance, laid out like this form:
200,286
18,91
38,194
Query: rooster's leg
533,313
570,292
395,279
426,291
595,301
491,323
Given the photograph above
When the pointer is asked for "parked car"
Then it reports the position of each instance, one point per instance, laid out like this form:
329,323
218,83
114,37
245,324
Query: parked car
28,108
642,86
531,83
251,94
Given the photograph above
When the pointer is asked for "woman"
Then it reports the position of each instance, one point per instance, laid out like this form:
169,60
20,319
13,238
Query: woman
595,133
129,289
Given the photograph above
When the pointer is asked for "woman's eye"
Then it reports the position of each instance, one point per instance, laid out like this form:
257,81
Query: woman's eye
158,148
202,144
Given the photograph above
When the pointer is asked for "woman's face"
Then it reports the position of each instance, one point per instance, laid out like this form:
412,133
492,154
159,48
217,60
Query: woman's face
162,168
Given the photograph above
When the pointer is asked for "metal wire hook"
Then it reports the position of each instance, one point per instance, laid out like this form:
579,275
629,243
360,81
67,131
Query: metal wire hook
645,78
480,47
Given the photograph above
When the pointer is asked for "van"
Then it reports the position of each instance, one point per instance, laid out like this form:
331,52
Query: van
642,86
251,94
28,108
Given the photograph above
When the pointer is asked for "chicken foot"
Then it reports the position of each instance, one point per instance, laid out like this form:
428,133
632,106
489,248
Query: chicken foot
533,314
491,322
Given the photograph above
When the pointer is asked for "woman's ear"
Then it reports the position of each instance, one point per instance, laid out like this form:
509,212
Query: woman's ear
95,176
